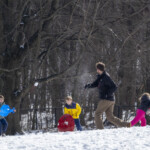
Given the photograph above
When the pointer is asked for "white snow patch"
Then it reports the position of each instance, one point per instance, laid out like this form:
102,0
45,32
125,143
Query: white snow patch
66,123
136,138
21,23
22,46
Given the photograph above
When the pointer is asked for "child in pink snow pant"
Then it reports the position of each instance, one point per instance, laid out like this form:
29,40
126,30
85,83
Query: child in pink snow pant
140,116
141,111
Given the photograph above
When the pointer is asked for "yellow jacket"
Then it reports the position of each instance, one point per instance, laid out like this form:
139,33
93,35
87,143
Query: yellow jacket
74,110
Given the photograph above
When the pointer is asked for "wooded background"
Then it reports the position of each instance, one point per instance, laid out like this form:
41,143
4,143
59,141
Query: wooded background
57,43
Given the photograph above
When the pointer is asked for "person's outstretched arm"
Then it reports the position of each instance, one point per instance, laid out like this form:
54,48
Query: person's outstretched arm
92,85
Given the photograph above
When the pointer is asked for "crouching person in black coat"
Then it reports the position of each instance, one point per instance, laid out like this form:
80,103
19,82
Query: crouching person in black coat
106,88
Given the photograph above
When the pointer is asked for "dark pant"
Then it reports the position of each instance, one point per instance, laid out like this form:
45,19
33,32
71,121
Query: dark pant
3,126
78,125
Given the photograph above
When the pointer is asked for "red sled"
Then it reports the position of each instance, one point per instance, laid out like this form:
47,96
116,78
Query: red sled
66,123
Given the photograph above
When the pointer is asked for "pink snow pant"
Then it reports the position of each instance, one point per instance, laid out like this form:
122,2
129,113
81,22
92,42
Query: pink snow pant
140,116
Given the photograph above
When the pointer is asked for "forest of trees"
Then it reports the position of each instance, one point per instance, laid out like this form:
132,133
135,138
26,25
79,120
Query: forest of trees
57,43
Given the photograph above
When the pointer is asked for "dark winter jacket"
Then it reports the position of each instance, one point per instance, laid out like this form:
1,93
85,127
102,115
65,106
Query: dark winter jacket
105,85
145,103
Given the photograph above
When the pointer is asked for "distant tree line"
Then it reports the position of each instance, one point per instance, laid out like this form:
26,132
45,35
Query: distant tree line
57,43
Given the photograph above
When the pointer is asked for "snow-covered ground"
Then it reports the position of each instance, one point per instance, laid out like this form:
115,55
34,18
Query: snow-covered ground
136,138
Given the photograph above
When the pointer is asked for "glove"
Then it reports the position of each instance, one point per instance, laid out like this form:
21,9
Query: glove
87,86
148,112
13,110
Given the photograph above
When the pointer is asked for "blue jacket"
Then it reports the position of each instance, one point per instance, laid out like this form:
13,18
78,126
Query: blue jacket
5,110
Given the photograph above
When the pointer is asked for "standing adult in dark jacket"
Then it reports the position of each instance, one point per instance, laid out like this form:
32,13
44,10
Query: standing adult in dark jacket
106,88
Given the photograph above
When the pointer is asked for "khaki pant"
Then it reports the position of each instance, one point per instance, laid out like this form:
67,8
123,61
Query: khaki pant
107,107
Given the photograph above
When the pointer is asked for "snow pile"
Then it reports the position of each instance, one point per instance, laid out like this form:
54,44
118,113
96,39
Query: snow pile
136,138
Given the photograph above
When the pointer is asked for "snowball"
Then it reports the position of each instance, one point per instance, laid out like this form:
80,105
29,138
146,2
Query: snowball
36,84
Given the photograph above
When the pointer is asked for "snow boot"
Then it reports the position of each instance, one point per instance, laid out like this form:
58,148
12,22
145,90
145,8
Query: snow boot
3,135
129,125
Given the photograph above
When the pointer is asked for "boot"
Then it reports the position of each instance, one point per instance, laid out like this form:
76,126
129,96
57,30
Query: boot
129,125
3,134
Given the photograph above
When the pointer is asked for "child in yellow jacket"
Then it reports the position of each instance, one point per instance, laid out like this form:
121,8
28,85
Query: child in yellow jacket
74,110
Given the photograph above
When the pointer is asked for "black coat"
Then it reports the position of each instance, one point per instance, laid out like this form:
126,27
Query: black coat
145,103
105,85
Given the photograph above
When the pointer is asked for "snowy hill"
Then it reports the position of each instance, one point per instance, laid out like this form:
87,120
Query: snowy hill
136,138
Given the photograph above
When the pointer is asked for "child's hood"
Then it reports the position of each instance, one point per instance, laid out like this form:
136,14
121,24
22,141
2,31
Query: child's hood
73,105
145,98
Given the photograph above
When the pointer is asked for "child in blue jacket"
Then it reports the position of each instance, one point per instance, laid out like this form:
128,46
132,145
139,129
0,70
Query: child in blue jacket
3,122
